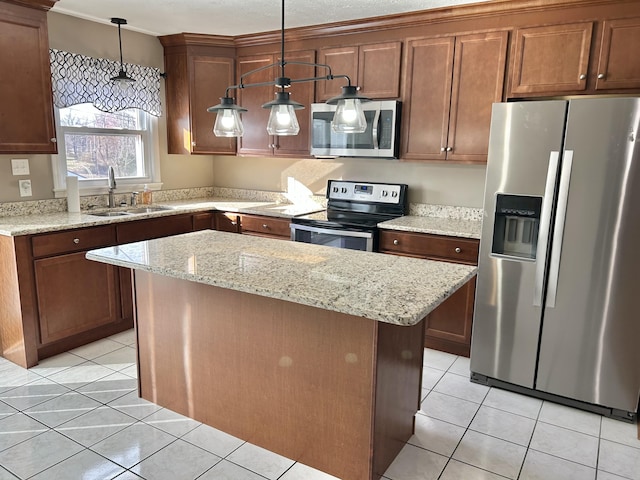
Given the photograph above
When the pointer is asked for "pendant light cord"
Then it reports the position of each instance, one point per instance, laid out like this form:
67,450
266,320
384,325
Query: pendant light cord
282,47
120,44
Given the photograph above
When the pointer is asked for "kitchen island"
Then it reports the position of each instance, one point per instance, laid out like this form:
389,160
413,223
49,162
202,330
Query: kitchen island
312,352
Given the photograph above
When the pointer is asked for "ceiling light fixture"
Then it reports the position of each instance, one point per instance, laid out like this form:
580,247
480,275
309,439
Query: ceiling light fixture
122,78
349,116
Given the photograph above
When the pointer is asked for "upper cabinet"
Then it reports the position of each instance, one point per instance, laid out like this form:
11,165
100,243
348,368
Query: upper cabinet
256,140
375,68
551,59
198,74
618,67
571,59
449,86
26,116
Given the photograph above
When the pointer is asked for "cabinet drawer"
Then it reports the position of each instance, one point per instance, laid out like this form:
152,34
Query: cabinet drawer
137,231
227,222
73,240
202,221
267,226
435,247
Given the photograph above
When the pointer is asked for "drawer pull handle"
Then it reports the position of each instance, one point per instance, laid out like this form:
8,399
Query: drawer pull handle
76,241
458,250
264,225
396,242
234,223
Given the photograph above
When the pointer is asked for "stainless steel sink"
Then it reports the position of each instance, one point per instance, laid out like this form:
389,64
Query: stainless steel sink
147,209
109,214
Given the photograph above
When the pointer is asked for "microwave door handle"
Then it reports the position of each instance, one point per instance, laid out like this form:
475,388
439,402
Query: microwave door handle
375,128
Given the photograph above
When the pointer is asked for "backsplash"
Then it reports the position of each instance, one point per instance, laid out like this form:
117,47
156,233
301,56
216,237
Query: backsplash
445,211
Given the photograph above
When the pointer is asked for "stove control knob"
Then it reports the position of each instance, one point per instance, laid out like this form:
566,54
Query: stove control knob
384,193
394,194
343,189
335,189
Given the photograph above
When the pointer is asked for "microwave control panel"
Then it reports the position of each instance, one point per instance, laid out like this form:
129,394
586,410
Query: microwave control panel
364,192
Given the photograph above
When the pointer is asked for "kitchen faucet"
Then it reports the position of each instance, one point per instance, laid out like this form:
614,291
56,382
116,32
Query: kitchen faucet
112,185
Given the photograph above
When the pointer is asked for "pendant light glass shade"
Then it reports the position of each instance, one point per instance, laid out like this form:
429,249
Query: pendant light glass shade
228,122
349,116
282,118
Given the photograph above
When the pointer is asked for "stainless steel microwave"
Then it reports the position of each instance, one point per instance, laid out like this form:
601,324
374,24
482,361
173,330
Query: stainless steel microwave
381,139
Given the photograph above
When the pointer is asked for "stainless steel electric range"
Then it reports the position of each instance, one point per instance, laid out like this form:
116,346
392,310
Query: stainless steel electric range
354,210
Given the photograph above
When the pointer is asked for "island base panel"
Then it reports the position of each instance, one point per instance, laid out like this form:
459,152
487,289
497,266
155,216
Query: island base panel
333,391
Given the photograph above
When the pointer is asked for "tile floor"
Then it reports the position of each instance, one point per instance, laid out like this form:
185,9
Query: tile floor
77,416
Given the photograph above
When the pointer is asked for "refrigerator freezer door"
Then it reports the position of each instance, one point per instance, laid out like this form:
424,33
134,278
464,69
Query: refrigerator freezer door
589,344
506,323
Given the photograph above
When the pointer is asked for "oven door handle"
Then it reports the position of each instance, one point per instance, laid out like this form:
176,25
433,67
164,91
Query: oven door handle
330,231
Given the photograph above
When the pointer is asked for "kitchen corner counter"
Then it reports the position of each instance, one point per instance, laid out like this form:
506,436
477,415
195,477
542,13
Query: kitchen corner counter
452,227
51,222
386,288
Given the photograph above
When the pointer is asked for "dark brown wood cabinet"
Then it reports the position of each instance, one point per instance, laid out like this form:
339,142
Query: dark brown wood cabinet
265,226
448,327
203,221
147,229
227,222
199,70
449,86
256,140
375,68
26,117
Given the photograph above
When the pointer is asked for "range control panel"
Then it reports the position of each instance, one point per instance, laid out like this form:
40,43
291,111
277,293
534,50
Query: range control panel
364,192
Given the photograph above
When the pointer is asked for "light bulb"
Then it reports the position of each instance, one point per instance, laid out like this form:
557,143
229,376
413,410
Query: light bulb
349,117
228,124
283,120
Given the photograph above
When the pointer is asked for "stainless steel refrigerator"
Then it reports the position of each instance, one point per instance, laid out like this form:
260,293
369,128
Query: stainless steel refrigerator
557,309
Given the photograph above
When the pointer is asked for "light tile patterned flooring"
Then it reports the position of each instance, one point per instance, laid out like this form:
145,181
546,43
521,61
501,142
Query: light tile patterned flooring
77,416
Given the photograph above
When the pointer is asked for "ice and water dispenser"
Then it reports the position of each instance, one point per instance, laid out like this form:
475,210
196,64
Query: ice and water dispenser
516,226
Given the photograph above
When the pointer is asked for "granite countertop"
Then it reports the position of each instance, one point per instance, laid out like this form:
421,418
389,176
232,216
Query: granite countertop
387,288
51,222
453,227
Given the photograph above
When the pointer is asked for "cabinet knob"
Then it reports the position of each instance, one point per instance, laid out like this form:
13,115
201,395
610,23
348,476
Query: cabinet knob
264,225
234,223
76,241
458,250
54,140
449,149
396,242
193,144
443,149
583,76
601,76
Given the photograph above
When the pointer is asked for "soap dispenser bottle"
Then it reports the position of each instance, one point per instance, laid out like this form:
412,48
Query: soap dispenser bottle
146,195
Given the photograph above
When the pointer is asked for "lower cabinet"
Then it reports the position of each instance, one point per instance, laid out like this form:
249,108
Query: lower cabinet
248,224
448,327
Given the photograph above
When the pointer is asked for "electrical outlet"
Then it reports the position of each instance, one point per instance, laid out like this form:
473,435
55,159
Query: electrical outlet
25,188
20,166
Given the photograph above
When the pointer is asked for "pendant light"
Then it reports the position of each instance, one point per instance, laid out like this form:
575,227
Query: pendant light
122,79
349,116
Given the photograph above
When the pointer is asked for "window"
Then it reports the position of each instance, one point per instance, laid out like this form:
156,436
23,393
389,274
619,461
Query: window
90,141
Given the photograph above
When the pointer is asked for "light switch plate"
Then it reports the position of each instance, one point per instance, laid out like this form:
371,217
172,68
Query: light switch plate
25,188
20,166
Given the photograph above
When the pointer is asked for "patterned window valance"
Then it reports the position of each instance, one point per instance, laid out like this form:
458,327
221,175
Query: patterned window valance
80,79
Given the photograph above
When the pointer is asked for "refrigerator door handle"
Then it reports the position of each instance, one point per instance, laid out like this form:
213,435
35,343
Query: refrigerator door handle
558,229
545,226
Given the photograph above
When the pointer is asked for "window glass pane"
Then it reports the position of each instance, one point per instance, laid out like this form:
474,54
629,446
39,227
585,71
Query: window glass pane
90,155
86,115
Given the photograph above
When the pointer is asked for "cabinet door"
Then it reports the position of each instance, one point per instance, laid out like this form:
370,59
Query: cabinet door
26,115
343,61
620,44
299,145
74,295
256,140
427,94
227,222
209,78
478,80
136,231
379,70
551,59
448,327
203,221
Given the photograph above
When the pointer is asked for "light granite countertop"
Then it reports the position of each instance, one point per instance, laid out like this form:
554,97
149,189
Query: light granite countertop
386,288
51,222
454,227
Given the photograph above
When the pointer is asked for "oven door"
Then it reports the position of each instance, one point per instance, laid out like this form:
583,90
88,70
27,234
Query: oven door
331,237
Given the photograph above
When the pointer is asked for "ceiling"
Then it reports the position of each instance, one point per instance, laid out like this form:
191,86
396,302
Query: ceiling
236,17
